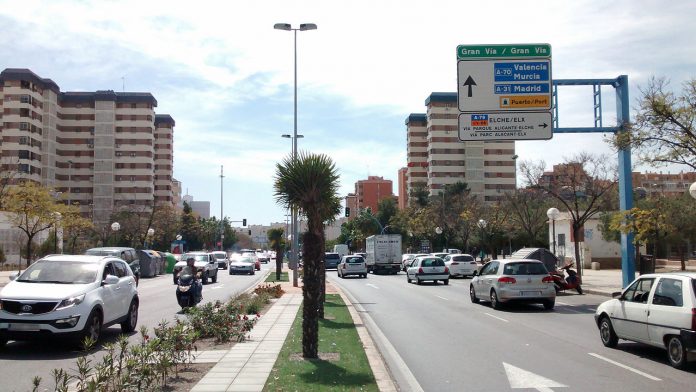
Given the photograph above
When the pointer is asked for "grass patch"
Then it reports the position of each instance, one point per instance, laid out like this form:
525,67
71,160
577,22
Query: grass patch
351,373
283,277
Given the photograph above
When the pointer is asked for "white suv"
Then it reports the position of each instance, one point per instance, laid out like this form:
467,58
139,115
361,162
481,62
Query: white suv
69,295
206,264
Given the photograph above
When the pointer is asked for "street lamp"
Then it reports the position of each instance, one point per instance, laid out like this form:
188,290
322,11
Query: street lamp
384,228
553,214
295,244
482,225
692,190
150,233
114,227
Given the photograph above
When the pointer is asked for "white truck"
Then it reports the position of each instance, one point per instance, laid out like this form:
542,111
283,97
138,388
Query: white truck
341,249
383,253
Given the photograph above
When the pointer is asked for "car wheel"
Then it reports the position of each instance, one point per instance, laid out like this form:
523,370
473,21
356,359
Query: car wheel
446,282
472,294
92,328
606,333
676,352
549,304
418,281
408,279
230,272
3,342
205,278
253,272
495,304
214,278
132,320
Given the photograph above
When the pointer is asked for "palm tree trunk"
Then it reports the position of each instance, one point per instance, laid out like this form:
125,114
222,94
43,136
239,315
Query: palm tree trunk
313,255
279,261
322,293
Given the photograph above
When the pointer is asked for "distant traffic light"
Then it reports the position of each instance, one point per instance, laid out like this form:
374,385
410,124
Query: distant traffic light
244,222
249,232
347,211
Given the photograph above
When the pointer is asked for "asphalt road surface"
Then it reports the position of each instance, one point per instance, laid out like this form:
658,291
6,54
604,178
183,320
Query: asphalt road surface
446,343
21,361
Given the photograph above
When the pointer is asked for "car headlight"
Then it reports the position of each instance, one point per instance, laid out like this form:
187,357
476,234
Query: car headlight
72,301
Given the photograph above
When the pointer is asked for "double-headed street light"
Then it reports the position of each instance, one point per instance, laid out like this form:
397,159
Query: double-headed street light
295,236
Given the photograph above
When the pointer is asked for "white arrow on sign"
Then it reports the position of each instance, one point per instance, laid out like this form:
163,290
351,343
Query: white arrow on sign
523,379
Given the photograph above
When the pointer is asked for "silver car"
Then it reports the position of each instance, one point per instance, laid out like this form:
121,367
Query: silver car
427,268
513,280
242,265
352,265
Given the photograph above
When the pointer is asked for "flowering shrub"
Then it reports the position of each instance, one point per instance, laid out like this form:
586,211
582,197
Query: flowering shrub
274,291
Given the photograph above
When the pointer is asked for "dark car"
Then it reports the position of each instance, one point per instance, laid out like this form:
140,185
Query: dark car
129,255
331,260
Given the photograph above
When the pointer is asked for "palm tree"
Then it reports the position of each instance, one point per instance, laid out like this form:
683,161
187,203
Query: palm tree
309,183
275,240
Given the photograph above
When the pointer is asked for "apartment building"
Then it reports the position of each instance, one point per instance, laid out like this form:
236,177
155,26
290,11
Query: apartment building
371,191
434,148
403,191
97,148
663,184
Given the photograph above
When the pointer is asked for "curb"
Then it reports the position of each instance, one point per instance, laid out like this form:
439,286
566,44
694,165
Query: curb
383,377
596,292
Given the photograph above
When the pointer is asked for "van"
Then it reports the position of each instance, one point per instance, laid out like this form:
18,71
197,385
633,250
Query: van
341,249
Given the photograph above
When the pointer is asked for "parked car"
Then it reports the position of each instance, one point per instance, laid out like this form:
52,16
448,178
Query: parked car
129,255
205,263
439,254
221,257
408,258
352,265
72,296
242,265
461,264
657,310
513,280
362,254
331,260
427,268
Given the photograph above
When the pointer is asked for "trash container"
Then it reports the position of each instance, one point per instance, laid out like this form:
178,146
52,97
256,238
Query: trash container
647,264
157,257
148,269
170,262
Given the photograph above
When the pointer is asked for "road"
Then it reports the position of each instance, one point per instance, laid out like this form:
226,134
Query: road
447,343
21,361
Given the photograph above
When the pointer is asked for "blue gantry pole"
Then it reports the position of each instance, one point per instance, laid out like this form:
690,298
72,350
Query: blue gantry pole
628,266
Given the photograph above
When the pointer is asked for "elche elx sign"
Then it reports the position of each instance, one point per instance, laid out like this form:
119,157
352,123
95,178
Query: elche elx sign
504,92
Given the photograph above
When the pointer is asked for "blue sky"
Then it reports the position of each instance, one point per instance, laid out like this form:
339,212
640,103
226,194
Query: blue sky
225,75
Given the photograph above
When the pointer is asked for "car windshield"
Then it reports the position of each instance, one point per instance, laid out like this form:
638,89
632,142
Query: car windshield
462,258
525,269
195,257
245,260
354,260
434,262
220,256
63,272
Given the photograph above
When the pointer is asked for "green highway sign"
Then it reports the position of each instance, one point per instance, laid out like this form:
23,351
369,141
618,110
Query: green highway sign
468,52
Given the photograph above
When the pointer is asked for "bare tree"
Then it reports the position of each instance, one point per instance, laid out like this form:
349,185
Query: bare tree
528,213
582,184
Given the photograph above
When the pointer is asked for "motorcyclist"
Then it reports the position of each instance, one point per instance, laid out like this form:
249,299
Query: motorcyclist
191,270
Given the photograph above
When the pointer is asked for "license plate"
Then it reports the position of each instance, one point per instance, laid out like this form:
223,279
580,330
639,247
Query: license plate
23,327
530,293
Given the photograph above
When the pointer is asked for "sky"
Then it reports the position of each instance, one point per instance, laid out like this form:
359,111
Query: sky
226,76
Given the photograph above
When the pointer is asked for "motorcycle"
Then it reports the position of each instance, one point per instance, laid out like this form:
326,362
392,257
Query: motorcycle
185,292
563,282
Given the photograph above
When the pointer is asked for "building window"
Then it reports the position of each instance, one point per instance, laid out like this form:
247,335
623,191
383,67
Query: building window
25,99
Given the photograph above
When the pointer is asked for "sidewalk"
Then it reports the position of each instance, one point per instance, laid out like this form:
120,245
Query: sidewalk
605,282
246,366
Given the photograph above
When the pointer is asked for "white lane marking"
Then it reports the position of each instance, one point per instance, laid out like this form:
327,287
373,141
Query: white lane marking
442,298
563,303
496,317
371,285
524,379
217,287
636,371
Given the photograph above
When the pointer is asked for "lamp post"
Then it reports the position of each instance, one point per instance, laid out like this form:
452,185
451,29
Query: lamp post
482,225
295,244
150,233
553,214
384,228
115,227
438,231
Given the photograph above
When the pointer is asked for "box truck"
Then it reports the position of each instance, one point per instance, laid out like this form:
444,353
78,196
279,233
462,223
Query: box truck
383,253
341,249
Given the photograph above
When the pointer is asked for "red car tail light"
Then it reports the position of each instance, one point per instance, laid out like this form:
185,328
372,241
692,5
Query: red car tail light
446,270
547,279
420,270
506,280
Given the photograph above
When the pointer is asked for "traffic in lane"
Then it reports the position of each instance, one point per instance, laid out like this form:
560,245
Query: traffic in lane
447,342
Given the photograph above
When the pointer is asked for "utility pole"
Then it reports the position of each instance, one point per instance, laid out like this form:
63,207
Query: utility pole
222,222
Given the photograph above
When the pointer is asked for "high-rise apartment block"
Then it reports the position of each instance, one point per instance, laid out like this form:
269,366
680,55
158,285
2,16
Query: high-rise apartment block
436,157
403,190
102,150
371,191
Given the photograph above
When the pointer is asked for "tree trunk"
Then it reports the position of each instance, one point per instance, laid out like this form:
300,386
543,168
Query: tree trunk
29,238
279,261
682,256
313,255
576,243
322,293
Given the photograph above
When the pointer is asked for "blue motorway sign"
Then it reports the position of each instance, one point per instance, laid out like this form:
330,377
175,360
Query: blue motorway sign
521,71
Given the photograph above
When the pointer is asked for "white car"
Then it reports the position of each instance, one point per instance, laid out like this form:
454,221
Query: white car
242,265
656,309
513,280
221,258
72,296
407,259
461,264
205,264
427,268
352,265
